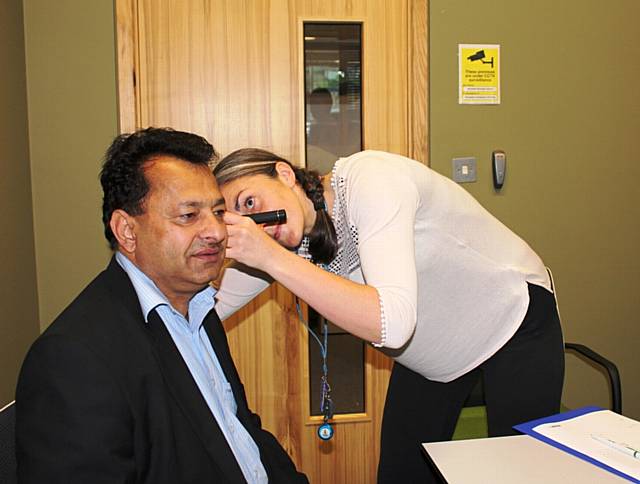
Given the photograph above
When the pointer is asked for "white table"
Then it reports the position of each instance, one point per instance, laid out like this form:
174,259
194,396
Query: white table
516,459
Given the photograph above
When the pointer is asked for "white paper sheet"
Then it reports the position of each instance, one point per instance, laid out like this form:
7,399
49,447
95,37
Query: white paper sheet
578,433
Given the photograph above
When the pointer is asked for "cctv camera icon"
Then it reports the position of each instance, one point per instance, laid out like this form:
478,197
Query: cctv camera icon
480,55
477,56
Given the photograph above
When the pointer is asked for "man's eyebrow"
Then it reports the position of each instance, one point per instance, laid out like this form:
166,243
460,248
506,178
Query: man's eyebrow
200,204
191,204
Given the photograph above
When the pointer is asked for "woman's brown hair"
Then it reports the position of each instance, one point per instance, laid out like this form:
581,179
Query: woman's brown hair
323,241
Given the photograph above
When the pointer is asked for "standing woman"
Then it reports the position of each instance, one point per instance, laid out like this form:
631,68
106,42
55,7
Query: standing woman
400,256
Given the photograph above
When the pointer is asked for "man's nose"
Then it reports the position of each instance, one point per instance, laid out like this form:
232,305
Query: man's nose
213,228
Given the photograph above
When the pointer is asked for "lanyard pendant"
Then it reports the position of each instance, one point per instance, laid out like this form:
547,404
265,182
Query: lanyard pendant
325,431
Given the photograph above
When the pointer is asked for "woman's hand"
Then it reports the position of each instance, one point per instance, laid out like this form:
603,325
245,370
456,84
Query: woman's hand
248,243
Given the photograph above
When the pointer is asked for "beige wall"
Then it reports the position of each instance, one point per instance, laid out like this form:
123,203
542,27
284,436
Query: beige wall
569,122
18,295
72,118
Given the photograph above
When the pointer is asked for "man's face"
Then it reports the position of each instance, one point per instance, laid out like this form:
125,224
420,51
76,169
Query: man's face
180,238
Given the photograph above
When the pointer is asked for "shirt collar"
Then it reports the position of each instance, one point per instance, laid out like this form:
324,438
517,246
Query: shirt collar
151,297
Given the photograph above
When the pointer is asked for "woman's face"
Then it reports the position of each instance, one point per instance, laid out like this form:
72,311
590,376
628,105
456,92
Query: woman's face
261,193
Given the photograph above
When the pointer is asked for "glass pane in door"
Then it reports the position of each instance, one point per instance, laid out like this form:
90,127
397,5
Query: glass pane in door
333,128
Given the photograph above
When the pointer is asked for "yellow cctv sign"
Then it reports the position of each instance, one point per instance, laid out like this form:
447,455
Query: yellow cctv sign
479,74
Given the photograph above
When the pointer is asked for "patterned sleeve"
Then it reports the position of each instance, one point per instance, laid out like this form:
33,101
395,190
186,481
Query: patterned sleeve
383,201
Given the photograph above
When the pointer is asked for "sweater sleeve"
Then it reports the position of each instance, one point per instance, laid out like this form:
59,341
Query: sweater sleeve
382,204
239,285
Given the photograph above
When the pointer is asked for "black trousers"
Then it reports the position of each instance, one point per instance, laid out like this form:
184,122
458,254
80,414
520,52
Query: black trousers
522,381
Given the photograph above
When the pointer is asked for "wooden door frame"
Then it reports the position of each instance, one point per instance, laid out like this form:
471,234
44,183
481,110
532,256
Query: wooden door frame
127,65
419,81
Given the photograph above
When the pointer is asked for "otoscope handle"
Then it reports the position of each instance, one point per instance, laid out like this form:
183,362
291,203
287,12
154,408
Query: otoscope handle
272,217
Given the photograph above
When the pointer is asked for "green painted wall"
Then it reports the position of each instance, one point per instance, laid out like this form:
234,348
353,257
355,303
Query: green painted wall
569,122
18,295
71,83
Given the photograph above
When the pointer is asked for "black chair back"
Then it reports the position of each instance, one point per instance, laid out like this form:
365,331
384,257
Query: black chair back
8,469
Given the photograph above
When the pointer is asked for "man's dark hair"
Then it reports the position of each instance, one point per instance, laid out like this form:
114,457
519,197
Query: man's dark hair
122,177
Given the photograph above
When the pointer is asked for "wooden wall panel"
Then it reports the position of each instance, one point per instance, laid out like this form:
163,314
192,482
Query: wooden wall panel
221,72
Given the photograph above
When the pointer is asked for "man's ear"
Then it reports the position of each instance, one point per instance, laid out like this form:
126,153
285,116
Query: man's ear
286,173
123,227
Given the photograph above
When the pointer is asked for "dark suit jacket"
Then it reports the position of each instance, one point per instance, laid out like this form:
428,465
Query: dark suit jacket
104,397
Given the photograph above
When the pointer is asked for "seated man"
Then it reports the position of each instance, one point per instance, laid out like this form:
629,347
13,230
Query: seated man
134,381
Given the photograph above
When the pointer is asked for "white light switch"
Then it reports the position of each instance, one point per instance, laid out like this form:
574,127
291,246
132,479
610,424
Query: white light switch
464,169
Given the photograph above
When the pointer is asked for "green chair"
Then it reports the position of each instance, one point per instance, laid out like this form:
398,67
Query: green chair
472,423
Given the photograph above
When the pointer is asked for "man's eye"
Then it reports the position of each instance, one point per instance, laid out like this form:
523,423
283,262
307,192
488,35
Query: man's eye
219,213
250,203
185,217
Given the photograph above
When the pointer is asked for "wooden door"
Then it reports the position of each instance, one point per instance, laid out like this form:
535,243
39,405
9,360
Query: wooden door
230,70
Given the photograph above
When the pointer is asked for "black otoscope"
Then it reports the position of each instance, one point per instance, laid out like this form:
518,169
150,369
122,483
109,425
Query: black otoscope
272,217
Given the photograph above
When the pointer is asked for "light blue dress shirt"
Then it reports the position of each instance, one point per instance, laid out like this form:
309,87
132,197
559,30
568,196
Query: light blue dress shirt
193,343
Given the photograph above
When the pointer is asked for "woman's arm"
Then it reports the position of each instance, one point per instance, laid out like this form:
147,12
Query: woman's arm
352,306
382,200
238,286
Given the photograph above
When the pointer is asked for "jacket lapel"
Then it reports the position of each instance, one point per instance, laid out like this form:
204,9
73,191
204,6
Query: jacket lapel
218,340
180,383
193,405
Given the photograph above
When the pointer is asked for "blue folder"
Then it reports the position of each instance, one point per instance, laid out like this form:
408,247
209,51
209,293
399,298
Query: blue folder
527,428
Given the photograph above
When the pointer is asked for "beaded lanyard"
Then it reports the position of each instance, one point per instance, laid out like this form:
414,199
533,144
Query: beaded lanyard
325,431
